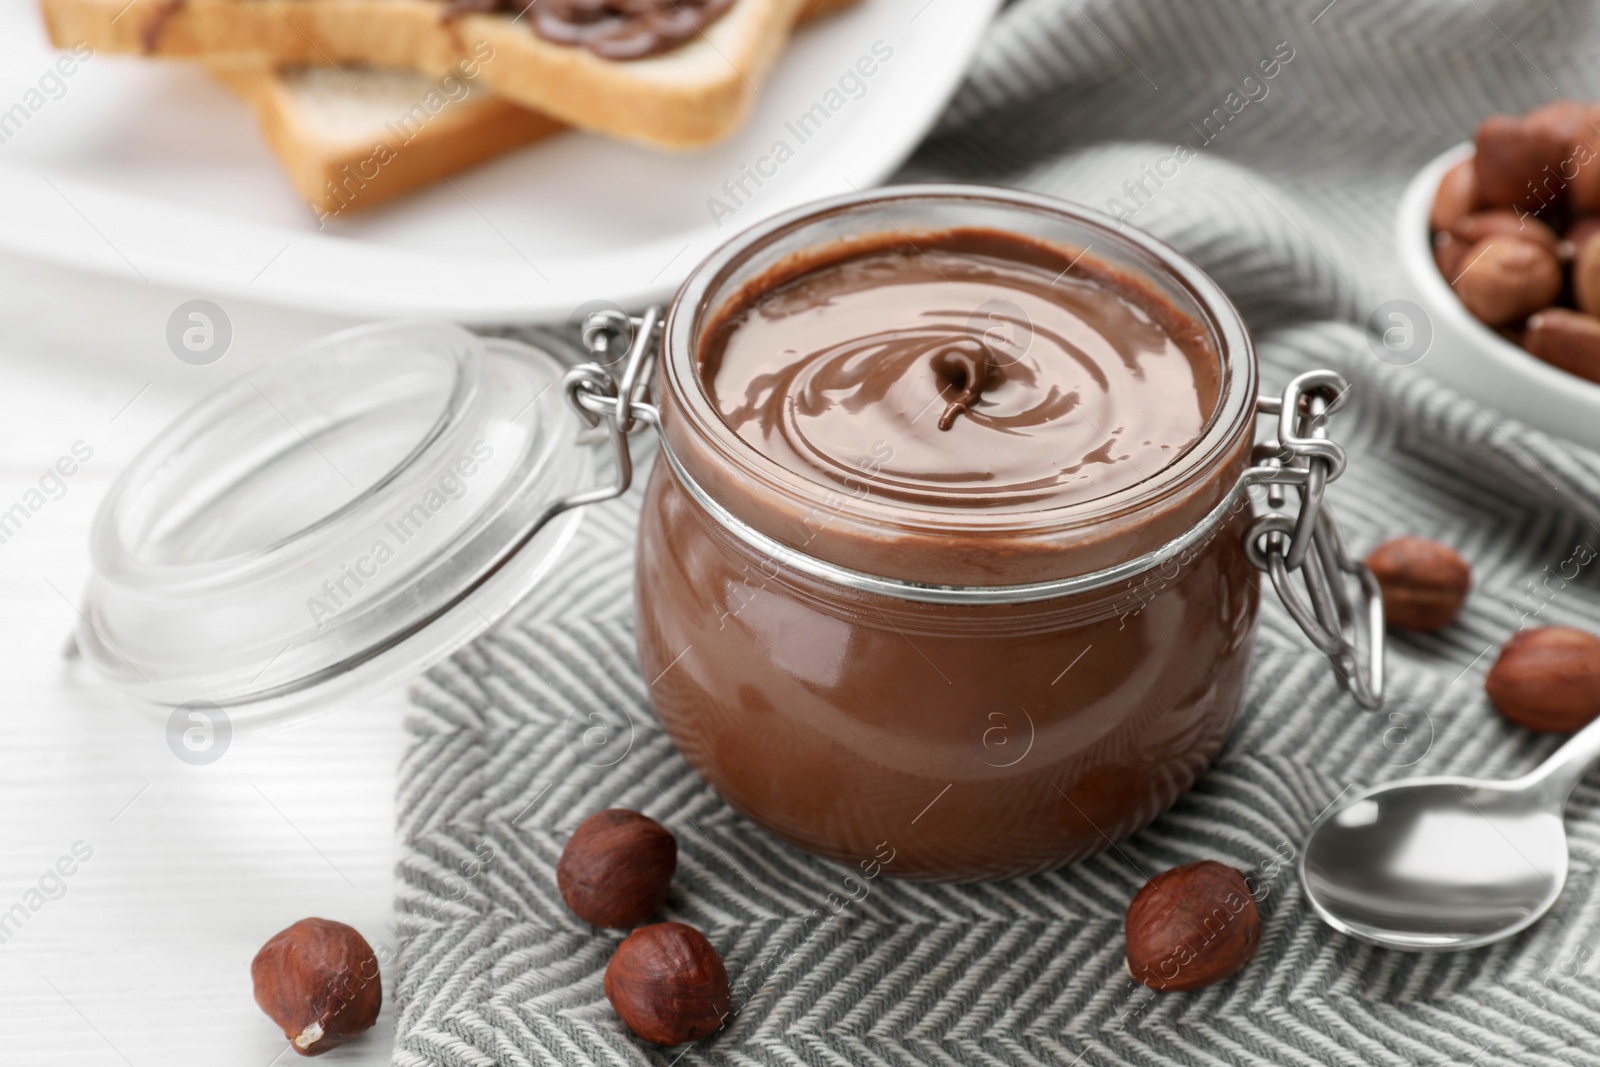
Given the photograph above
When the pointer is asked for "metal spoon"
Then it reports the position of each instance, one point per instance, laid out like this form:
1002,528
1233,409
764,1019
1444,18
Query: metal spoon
1444,863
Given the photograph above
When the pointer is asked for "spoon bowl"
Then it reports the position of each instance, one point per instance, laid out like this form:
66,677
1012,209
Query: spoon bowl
1435,864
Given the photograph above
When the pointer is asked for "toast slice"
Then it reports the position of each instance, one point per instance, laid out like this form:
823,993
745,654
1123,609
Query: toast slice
352,138
692,95
329,127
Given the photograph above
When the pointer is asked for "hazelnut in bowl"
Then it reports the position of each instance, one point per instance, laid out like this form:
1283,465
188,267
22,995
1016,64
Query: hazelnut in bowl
1494,248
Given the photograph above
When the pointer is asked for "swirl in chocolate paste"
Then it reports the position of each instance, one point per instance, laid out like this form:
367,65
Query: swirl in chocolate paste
1002,373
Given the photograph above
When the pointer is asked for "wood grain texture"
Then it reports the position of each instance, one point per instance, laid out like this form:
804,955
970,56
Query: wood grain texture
145,959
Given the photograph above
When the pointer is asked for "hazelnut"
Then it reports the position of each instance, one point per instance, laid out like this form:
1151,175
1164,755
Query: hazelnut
1579,233
668,984
1424,582
1565,119
1449,254
617,868
1506,279
1586,278
1457,195
1518,161
318,980
1566,339
1547,679
1480,224
1192,927
1583,190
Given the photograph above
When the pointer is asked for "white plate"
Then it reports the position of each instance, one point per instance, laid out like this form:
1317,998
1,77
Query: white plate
151,171
1468,354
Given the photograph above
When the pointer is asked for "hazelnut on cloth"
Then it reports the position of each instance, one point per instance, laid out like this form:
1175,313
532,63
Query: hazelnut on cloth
1191,927
1547,679
617,868
1424,582
668,984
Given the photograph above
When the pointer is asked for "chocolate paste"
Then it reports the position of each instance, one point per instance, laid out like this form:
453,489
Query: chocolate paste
996,375
611,29
993,380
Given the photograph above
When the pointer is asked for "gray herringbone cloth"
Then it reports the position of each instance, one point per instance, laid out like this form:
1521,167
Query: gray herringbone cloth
1289,205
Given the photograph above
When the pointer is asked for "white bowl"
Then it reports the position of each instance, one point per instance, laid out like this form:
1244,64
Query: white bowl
1469,355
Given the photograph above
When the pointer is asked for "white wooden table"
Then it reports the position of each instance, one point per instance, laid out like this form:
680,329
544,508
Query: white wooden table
142,956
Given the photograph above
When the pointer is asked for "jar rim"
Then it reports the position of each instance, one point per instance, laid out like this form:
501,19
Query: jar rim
699,299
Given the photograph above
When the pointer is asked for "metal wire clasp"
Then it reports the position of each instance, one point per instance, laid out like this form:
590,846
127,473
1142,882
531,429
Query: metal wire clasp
1309,545
617,402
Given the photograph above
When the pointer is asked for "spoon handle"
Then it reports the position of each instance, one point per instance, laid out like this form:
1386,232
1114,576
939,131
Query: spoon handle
1558,775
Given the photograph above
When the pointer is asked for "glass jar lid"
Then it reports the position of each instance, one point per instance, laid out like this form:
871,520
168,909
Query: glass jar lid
335,521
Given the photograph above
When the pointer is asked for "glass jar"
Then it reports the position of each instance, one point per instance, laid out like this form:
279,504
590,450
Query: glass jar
856,674
949,696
